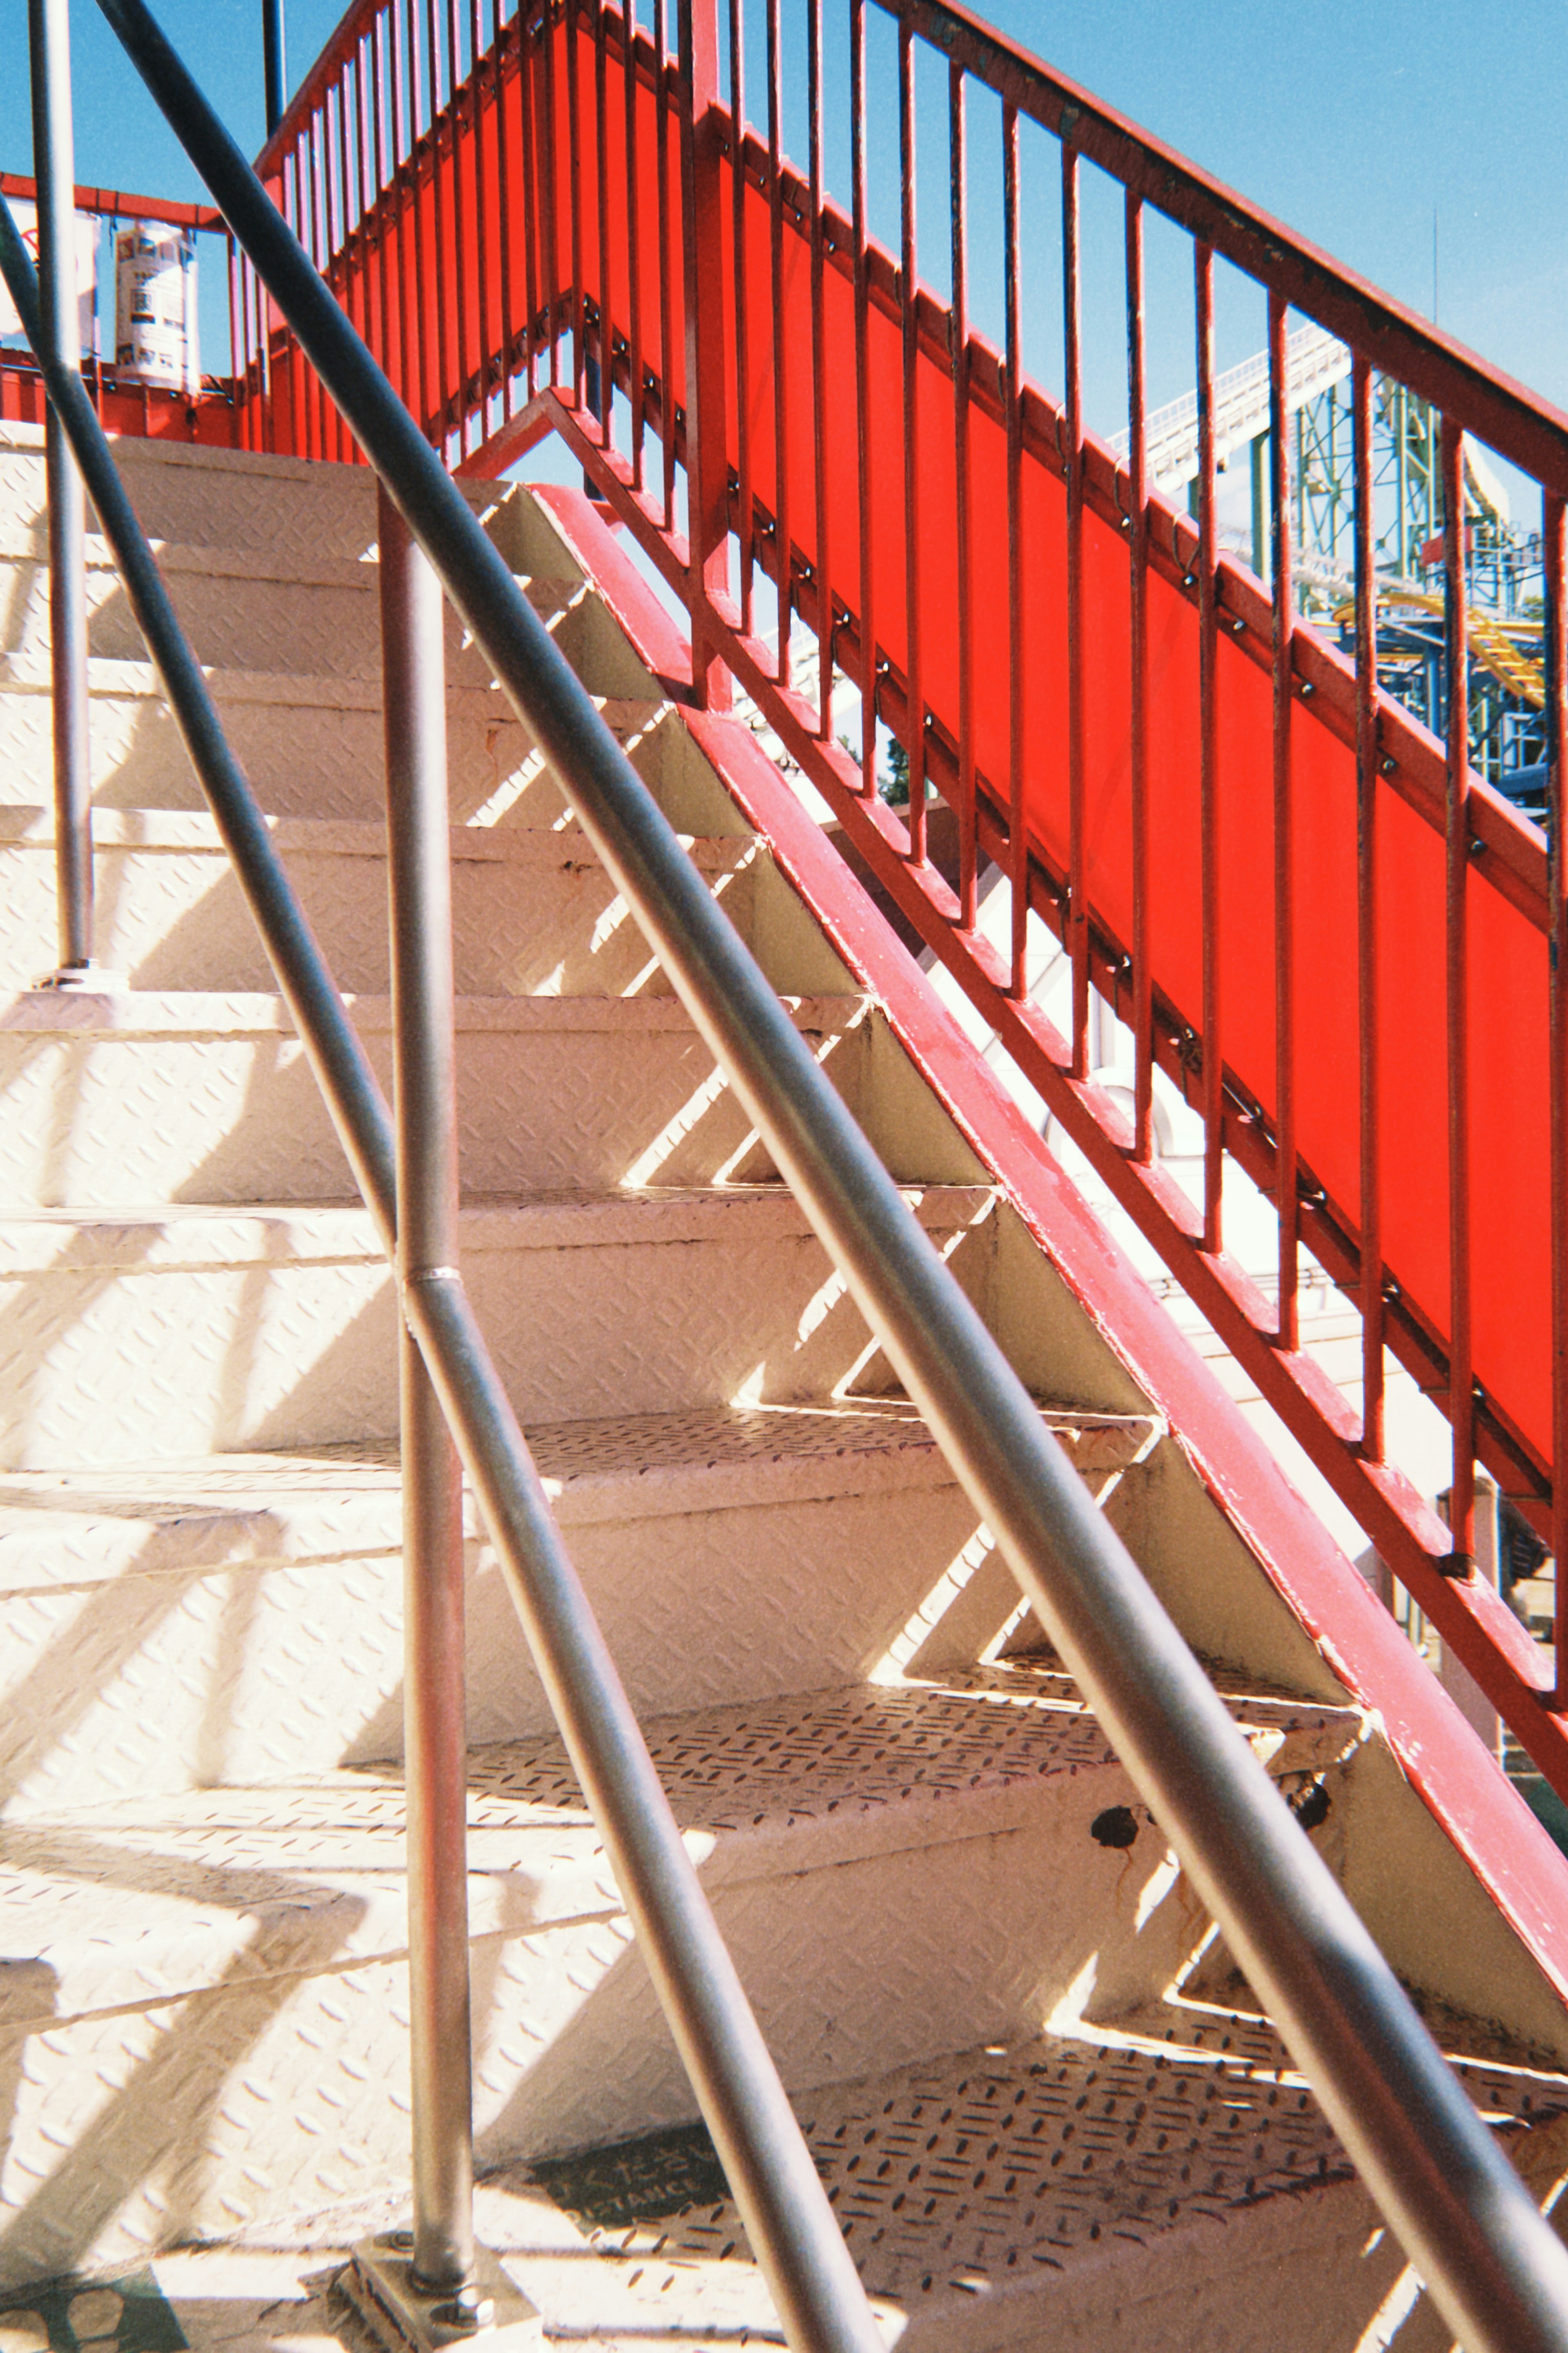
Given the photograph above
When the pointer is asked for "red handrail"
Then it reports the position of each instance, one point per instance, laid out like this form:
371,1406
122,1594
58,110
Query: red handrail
1327,930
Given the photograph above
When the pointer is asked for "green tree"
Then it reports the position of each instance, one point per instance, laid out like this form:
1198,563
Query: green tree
894,785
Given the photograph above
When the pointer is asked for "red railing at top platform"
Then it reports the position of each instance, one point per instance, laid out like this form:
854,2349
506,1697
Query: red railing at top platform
123,404
1348,951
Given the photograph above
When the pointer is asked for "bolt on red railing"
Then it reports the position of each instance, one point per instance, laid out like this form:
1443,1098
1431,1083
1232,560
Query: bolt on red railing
1314,921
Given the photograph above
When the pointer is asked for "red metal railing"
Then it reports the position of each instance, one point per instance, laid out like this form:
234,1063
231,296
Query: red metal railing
1346,949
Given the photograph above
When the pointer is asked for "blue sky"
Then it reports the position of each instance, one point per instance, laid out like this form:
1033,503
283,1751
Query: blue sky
1352,123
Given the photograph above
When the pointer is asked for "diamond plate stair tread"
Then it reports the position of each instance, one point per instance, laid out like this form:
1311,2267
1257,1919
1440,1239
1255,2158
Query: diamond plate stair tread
145,1900
85,1527
984,2194
114,1102
177,1332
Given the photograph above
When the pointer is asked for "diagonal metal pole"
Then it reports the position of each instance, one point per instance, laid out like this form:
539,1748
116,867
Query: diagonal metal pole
53,173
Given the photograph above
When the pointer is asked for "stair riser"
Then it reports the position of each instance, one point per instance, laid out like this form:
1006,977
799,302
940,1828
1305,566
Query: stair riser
123,1123
176,919
278,509
106,1362
304,758
297,512
270,1672
234,622
253,2101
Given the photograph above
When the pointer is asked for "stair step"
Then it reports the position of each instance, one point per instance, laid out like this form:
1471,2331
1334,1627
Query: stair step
639,2243
241,610
181,1331
533,911
311,745
229,1964
240,1620
1072,2190
116,1102
296,511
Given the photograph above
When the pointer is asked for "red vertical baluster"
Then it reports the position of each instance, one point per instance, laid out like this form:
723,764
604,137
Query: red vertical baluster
299,389
1013,406
819,377
747,519
424,294
379,207
1552,549
338,259
550,166
326,414
863,400
398,144
373,283
239,358
707,463
633,244
958,204
1208,623
1138,746
455,387
1372,1437
666,271
533,211
502,82
438,414
481,222
305,170
257,297
575,137
1072,329
783,544
606,339
914,706
1462,1392
254,406
1287,1200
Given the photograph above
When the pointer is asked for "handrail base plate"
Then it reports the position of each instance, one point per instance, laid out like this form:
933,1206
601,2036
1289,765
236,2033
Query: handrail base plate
378,2282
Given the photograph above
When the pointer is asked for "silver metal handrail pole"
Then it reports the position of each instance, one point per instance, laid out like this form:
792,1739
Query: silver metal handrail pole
274,70
53,177
788,2221
424,1092
1497,2270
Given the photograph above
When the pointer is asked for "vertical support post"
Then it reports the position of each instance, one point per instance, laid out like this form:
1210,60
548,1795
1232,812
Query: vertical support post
435,1737
273,66
54,169
706,468
1367,881
1076,929
1554,546
1287,1200
1461,1369
1138,646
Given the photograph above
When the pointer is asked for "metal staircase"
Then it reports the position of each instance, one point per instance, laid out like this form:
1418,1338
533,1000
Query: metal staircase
939,1887
869,1510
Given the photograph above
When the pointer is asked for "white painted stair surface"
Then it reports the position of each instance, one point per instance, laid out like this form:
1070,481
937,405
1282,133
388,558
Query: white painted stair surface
954,1915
